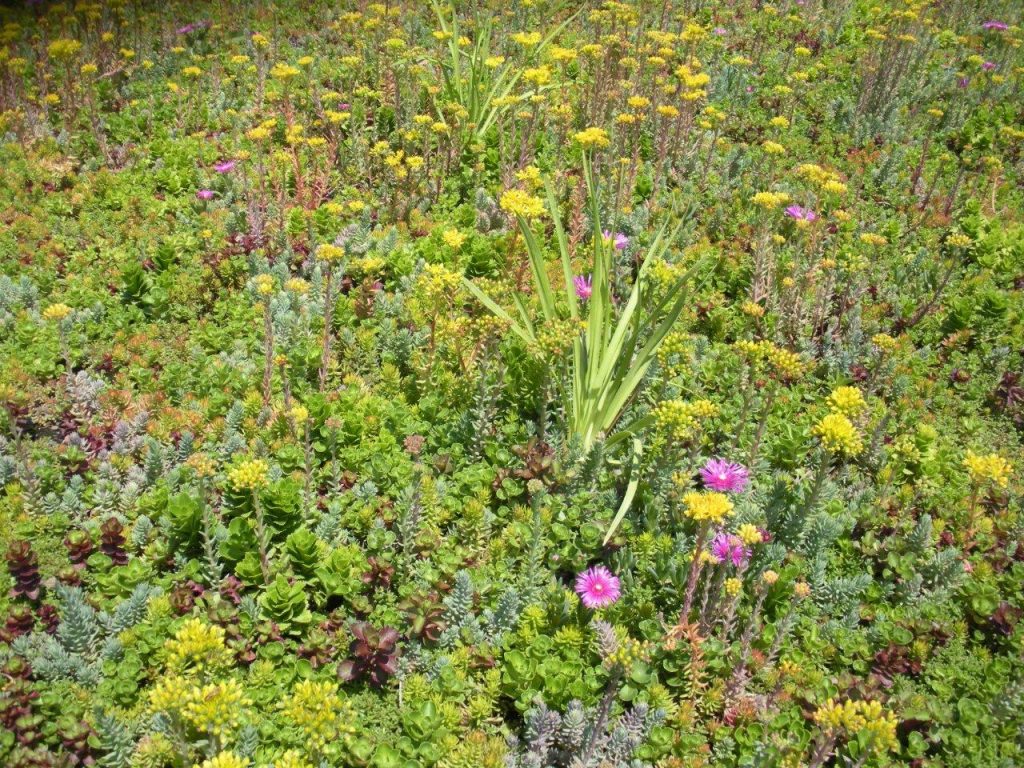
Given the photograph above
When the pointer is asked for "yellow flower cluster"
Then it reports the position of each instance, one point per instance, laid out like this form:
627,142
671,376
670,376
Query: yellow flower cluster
249,475
855,717
769,200
838,435
169,694
453,238
884,342
870,238
264,284
847,400
707,506
197,646
201,464
318,710
56,312
733,586
680,419
297,285
990,468
593,138
216,708
284,72
292,759
628,652
225,760
830,181
63,49
787,365
520,203
749,534
330,253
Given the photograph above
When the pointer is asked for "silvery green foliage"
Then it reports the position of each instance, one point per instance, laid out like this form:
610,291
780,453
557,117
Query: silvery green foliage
248,742
458,613
8,464
129,434
116,741
504,616
579,738
85,638
154,465
70,502
15,295
607,642
489,217
84,389
250,607
140,532
330,523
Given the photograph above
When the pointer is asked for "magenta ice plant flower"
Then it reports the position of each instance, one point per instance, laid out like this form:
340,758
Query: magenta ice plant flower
618,240
800,213
584,286
997,26
729,548
725,476
224,166
205,194
597,587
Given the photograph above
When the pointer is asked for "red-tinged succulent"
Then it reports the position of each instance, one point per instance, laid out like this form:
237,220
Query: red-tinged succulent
79,546
425,615
20,621
374,655
112,541
24,569
380,574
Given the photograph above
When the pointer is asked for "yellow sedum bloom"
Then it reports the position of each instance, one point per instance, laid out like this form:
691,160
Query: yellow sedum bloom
224,760
990,468
838,435
57,312
593,138
249,475
707,506
197,647
847,400
520,203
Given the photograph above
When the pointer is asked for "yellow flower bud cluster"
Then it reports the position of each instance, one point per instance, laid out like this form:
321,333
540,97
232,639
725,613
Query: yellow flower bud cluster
681,420
707,506
847,400
990,468
520,203
216,708
319,712
227,760
593,138
860,717
249,475
202,464
57,312
197,647
838,435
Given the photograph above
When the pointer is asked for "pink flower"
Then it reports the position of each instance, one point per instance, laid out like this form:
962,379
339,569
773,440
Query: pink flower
205,194
584,286
722,475
801,214
988,66
727,547
619,240
998,26
597,587
225,166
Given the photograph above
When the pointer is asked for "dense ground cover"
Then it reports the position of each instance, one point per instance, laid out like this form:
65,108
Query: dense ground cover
537,384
